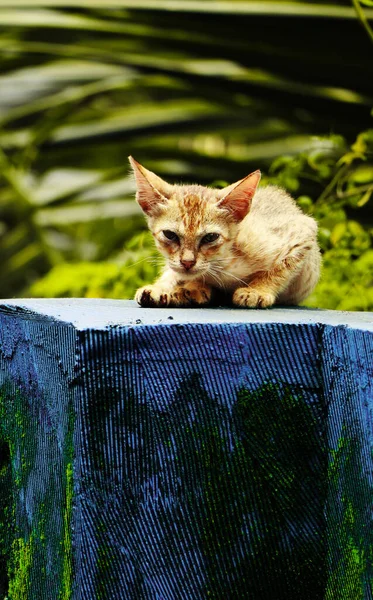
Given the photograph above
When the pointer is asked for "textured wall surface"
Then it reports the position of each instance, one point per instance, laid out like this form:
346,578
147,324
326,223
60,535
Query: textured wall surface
157,454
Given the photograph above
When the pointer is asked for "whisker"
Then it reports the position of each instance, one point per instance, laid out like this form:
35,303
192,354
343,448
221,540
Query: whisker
225,272
152,259
222,260
216,278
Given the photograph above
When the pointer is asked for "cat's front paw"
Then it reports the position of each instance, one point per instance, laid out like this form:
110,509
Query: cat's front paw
192,295
179,296
252,298
152,296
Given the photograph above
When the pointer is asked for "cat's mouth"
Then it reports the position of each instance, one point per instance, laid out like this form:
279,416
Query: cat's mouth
189,273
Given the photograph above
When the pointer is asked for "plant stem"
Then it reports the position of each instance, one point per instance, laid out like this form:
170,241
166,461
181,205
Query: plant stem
331,185
362,18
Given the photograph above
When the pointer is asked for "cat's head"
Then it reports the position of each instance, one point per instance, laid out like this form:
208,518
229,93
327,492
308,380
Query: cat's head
194,226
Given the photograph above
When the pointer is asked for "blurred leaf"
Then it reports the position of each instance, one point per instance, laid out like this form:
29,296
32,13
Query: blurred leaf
60,20
365,198
362,174
364,142
363,18
87,212
148,116
14,91
183,87
241,7
338,232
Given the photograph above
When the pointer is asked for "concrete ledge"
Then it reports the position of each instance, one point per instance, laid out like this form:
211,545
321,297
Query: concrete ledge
185,454
87,313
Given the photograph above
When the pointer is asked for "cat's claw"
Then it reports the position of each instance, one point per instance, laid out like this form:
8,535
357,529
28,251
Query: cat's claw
252,298
196,296
150,297
153,296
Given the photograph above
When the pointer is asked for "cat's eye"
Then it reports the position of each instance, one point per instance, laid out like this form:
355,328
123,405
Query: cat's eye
209,238
170,235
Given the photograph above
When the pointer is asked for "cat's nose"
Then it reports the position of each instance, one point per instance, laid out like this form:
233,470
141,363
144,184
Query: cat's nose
188,264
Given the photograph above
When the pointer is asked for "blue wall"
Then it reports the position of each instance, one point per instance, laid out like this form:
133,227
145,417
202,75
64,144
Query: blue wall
210,460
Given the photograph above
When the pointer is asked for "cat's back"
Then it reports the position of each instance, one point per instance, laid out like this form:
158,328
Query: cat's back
275,222
272,202
275,210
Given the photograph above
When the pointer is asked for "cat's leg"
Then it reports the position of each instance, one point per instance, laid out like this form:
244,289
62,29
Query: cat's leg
267,287
304,281
168,290
260,292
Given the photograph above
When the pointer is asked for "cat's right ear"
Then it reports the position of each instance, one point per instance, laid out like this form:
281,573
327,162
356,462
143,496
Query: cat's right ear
152,191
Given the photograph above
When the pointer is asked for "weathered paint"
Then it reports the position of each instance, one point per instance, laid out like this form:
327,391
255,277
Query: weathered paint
166,454
36,390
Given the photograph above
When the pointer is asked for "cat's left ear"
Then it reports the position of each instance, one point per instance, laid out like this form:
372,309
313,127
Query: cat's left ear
237,197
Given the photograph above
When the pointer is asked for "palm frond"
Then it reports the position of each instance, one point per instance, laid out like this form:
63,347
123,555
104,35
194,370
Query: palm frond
198,90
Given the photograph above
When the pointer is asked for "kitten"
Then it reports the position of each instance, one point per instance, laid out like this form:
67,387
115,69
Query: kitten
252,243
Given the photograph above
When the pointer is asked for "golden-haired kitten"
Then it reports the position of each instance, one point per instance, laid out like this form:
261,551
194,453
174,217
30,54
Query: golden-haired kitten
252,243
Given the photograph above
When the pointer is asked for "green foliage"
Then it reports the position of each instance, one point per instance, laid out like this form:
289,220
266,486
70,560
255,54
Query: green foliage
186,91
134,267
336,183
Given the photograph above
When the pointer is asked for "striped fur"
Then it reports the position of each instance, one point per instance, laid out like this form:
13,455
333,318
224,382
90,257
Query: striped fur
266,251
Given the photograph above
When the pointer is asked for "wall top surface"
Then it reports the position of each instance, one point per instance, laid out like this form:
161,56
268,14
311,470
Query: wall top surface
87,313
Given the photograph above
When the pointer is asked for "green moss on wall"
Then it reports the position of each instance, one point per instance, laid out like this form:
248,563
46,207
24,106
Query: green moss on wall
67,551
350,536
278,442
33,551
21,564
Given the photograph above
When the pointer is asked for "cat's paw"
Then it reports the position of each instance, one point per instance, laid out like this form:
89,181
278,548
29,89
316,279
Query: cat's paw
252,298
152,296
192,295
179,296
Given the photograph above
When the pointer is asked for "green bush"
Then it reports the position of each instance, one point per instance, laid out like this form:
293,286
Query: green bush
335,181
338,180
138,264
190,94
